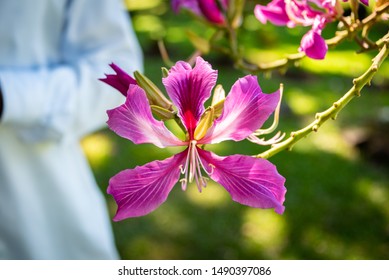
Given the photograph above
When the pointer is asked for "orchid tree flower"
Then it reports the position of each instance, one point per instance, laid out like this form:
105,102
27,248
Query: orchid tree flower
212,10
250,181
291,13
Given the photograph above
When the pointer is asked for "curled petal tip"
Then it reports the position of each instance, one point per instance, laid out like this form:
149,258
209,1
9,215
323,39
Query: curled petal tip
280,209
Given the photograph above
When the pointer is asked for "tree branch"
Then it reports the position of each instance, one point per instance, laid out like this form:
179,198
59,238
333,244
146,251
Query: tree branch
332,112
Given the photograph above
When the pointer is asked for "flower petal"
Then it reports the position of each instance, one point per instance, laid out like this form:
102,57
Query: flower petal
189,88
313,45
121,80
141,190
275,12
250,181
133,120
245,110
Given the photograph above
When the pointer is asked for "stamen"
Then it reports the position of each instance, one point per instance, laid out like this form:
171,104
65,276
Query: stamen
193,168
261,141
201,183
192,160
184,183
182,170
276,117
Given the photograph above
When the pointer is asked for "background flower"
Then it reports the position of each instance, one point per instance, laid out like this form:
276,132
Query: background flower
293,13
209,9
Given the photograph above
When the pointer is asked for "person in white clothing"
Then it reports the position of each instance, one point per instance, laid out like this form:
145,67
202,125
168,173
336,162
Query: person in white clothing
52,53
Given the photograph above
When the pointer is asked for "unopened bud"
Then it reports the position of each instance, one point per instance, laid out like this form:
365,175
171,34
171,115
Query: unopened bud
154,94
165,72
162,113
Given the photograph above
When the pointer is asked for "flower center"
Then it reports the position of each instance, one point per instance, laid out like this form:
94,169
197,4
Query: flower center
190,123
193,167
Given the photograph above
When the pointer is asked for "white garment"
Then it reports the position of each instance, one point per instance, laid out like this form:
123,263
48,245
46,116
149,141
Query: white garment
51,54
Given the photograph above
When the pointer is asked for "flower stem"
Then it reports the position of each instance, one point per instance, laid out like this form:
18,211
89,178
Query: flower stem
332,112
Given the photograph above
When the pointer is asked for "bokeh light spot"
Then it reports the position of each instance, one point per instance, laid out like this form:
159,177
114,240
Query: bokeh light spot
97,148
211,196
264,230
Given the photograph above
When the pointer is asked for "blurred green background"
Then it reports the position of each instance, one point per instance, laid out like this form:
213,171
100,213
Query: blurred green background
337,204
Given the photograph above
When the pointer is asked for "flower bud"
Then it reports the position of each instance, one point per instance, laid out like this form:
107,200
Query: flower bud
162,113
154,94
165,72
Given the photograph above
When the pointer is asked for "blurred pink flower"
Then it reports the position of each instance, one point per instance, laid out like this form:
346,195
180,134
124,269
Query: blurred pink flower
250,181
209,9
291,13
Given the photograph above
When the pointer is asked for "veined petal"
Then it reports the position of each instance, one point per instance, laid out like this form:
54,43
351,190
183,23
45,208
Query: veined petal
141,190
133,120
121,80
250,181
189,88
245,110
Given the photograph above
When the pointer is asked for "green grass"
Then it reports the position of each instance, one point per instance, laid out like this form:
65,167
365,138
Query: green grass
337,204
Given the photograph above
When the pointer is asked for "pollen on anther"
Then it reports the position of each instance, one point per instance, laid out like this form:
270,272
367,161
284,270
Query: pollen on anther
184,183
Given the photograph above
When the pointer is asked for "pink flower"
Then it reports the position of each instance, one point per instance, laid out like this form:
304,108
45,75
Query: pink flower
209,9
250,181
291,13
